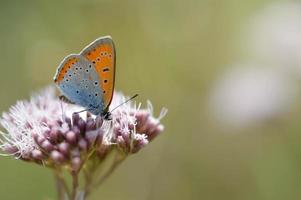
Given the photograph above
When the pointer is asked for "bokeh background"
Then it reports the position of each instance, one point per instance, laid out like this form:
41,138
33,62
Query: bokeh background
228,71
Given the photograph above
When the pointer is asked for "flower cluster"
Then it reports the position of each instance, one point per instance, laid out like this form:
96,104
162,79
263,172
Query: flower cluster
49,132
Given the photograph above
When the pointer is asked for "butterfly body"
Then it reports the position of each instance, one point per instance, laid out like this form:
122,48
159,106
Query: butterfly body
87,79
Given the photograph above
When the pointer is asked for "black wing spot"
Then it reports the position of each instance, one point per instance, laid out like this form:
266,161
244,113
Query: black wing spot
80,68
98,59
96,83
105,81
90,95
90,66
67,80
106,69
96,94
76,68
77,91
93,62
70,75
87,70
104,92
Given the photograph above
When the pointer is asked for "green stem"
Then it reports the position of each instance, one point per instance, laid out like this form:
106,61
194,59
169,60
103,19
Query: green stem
109,172
74,186
62,188
117,161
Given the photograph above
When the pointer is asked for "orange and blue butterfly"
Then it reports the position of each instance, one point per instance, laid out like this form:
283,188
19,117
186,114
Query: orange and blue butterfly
87,78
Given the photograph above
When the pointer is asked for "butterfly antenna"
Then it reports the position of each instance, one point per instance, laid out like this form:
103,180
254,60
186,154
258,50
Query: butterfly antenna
133,97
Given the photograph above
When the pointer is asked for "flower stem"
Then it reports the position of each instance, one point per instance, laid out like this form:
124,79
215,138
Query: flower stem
74,185
109,172
117,161
59,188
62,188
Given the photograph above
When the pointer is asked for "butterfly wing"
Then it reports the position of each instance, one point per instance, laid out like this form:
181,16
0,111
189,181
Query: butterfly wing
101,53
78,80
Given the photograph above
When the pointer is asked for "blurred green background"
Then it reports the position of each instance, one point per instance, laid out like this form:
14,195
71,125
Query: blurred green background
171,52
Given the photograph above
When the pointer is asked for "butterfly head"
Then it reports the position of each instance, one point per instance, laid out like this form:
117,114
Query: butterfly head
107,116
104,113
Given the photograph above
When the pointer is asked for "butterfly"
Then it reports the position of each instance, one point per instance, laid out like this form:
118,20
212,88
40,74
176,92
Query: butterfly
87,79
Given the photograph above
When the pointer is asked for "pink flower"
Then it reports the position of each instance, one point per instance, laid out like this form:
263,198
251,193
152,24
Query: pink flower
49,132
